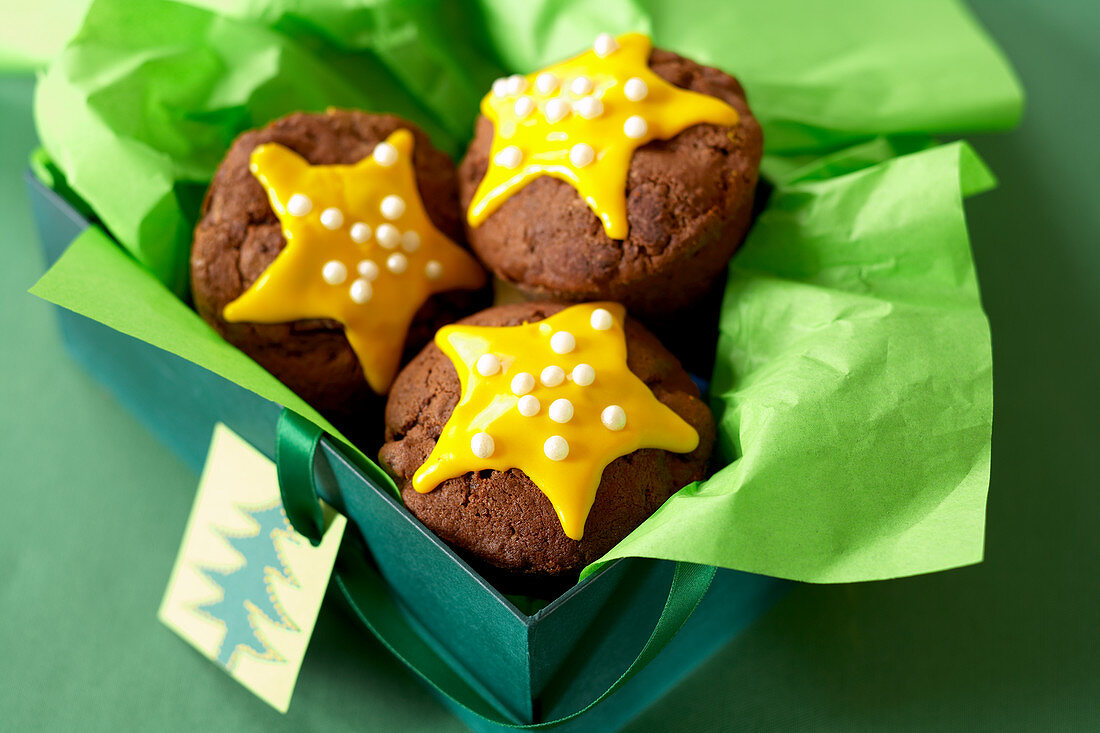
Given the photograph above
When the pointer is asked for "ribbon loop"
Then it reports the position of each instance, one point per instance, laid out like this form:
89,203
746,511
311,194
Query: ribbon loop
296,441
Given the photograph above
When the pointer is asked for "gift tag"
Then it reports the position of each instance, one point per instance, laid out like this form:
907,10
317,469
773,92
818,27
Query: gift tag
246,588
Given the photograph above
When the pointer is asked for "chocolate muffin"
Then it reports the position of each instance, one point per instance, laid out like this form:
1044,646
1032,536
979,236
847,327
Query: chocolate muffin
239,236
499,519
688,202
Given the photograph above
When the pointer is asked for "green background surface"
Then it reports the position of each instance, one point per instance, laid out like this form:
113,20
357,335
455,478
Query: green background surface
1013,643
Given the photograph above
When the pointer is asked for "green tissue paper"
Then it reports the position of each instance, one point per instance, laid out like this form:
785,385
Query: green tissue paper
852,384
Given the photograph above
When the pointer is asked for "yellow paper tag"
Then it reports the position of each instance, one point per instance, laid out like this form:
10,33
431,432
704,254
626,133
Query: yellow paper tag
246,588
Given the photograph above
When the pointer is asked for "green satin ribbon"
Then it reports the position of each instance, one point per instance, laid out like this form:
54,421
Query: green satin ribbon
365,591
296,441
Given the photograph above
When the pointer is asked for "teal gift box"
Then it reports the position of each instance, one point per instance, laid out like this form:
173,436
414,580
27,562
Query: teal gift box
851,384
528,667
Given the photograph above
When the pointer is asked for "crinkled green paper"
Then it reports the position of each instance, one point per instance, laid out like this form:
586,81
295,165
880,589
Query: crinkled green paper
853,382
852,385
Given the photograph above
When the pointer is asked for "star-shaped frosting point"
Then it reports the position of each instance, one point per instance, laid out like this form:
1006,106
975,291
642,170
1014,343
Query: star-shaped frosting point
554,399
581,121
360,249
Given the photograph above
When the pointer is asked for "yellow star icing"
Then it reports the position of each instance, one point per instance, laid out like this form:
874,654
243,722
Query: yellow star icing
581,121
360,249
554,399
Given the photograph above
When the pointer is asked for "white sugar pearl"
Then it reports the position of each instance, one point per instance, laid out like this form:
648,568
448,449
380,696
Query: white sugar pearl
523,383
581,154
583,375
561,410
528,405
487,365
556,110
515,84
635,127
555,448
562,342
360,232
384,154
410,241
581,85
552,376
299,205
508,157
334,272
589,108
387,235
601,319
360,291
523,107
396,263
368,269
546,82
605,45
635,89
482,445
392,207
332,218
500,87
433,269
613,417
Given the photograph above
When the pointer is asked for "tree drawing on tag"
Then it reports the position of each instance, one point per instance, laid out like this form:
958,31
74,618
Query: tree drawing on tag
249,590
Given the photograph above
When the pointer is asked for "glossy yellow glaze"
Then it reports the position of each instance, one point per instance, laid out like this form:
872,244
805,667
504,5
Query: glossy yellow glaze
354,252
597,113
492,364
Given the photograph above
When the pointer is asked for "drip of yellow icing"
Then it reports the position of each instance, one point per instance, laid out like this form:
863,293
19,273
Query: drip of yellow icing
360,249
581,121
554,399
